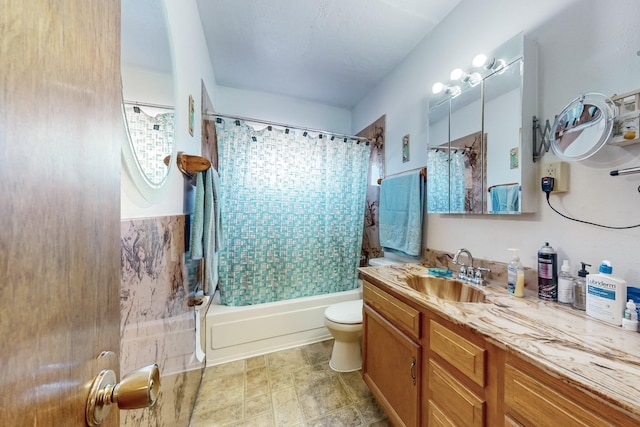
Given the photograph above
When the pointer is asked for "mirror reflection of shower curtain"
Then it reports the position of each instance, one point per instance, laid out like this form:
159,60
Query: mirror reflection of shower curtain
445,181
438,181
293,209
457,182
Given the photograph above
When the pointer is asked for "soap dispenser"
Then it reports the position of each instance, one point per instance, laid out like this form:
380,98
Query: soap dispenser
580,289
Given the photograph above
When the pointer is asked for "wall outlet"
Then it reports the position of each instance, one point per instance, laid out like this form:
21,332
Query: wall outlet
560,173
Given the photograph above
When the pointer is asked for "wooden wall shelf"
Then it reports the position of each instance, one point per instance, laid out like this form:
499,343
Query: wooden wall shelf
188,164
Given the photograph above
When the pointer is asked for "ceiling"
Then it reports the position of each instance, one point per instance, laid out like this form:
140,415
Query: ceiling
331,52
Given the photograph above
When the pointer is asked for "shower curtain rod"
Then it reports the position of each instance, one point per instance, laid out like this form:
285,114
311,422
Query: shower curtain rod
145,104
208,114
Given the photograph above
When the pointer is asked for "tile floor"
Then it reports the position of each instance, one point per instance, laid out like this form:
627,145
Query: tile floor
292,387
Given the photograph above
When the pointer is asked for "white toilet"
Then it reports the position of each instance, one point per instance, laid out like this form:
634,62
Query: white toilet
344,321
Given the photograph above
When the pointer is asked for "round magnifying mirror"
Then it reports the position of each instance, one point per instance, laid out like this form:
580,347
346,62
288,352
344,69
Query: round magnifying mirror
148,96
583,127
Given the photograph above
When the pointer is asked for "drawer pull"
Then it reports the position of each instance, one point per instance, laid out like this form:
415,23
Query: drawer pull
412,370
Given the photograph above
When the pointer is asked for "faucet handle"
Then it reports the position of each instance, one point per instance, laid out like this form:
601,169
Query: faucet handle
462,273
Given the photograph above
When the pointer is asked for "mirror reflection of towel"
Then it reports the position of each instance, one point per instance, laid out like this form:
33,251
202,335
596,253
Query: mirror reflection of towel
505,198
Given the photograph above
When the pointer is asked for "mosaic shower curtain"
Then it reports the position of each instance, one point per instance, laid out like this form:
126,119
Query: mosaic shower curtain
292,213
445,181
457,182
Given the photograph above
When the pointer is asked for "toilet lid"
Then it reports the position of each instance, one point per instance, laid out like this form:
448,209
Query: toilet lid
347,312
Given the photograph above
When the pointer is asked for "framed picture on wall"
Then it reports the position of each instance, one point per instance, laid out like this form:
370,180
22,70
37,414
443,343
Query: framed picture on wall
192,114
405,148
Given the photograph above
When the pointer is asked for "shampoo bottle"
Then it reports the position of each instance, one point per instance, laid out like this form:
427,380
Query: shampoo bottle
515,275
606,295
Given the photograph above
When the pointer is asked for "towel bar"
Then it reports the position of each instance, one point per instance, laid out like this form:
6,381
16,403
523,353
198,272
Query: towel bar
423,173
190,165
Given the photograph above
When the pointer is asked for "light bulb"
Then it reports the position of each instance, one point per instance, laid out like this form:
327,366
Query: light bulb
479,60
437,87
457,74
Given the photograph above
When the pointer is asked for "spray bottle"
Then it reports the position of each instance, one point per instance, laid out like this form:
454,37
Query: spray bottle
515,275
547,273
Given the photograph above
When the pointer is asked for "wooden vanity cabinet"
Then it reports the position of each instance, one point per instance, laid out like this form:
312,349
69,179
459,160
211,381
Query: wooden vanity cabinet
535,398
425,370
392,355
461,380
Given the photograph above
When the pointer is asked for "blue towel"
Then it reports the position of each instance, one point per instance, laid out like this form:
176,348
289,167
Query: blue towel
400,214
505,198
206,227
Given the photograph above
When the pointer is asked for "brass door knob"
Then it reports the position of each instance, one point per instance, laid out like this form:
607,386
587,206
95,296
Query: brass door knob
138,389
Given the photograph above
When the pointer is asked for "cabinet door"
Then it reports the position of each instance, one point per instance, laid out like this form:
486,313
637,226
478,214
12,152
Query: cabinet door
391,368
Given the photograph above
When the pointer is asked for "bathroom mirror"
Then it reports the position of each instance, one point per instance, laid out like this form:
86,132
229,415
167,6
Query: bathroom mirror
438,159
148,95
486,134
583,127
466,152
503,122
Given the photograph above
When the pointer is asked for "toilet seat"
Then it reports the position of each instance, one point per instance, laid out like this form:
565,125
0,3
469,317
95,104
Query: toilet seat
347,312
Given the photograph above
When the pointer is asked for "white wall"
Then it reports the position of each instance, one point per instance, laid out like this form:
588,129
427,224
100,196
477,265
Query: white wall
282,109
583,46
191,65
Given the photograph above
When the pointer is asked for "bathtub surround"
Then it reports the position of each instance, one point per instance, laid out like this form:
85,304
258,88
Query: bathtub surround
289,230
157,326
370,238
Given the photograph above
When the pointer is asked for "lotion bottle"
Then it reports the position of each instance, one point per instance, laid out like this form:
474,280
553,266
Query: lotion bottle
515,275
606,295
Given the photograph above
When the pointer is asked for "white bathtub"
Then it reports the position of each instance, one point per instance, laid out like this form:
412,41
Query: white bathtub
234,333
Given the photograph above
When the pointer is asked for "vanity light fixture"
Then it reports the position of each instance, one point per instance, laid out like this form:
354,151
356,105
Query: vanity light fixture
474,79
458,74
437,88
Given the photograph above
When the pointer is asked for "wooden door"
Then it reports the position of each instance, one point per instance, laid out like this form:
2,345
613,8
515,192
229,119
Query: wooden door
60,134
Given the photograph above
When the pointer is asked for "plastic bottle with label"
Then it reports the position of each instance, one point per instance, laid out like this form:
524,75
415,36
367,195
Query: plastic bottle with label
606,295
515,275
630,319
565,284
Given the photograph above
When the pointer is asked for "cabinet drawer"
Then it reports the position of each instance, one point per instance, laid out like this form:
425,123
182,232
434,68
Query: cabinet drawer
533,403
461,353
437,418
403,316
454,398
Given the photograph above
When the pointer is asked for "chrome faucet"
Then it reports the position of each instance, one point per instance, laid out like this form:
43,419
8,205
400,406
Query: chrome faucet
463,268
467,272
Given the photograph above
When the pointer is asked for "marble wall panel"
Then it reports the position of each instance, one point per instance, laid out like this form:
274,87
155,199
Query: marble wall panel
157,325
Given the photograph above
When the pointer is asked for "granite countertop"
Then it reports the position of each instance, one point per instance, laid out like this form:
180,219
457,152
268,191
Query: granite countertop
598,358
